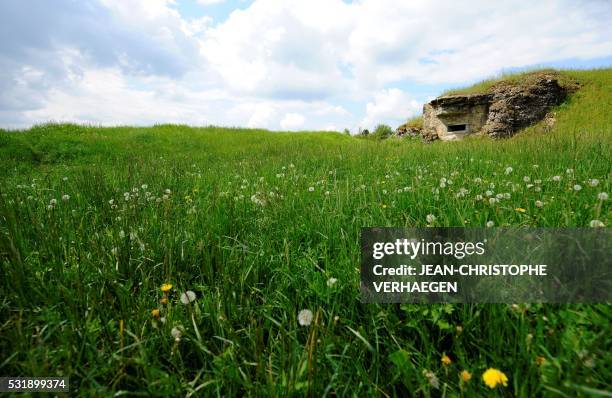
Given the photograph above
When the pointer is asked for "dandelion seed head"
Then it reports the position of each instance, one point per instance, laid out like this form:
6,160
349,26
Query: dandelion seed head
305,317
602,196
188,297
176,333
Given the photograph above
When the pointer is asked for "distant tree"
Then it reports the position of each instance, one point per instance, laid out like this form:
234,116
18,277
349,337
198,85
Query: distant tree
382,131
347,132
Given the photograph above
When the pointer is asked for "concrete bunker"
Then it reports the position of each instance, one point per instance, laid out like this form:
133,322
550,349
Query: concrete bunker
455,116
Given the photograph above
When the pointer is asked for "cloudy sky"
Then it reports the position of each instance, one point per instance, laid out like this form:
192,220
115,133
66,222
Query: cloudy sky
277,64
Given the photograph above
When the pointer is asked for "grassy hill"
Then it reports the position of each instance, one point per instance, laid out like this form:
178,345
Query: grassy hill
258,224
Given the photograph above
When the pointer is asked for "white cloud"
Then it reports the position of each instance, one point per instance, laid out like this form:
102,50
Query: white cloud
292,121
288,63
262,116
391,106
209,2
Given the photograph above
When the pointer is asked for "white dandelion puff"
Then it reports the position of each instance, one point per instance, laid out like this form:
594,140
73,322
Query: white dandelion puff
65,198
593,182
539,203
311,189
430,218
176,333
556,178
508,170
602,196
577,187
305,317
331,282
490,224
188,297
596,224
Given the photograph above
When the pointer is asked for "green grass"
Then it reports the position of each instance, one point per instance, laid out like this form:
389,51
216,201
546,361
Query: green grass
565,79
79,279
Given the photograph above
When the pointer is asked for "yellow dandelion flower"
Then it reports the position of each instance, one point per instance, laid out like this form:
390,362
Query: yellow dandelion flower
446,360
166,287
520,210
155,313
163,300
492,377
384,206
465,376
540,360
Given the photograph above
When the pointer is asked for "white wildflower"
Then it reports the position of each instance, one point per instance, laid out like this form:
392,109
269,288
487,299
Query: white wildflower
188,297
569,171
602,196
596,224
311,189
432,379
176,333
556,178
539,203
490,224
52,202
305,317
255,198
593,182
526,179
577,187
331,282
65,198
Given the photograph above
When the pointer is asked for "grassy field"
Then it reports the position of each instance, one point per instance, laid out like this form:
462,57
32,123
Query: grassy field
261,225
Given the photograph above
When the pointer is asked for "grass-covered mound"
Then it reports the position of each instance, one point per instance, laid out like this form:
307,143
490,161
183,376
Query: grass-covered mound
262,225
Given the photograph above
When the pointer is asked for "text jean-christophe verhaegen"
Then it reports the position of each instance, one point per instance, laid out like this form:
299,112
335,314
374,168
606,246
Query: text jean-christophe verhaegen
486,265
412,248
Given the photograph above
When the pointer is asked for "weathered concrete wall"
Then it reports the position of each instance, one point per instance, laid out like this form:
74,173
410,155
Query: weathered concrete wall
469,110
